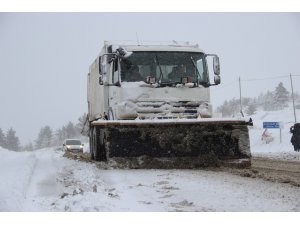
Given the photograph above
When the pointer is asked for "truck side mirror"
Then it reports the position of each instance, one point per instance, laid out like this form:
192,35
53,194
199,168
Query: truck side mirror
99,64
103,63
123,53
216,65
217,79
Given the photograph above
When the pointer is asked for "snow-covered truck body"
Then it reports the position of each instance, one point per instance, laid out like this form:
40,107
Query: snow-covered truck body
154,100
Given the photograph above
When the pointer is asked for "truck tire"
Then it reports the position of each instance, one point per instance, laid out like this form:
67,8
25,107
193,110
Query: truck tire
99,143
96,144
91,141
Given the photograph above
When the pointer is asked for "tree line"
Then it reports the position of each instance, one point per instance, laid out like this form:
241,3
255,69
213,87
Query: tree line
9,140
47,137
269,101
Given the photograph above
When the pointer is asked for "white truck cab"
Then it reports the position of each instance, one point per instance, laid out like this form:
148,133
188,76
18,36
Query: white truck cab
154,100
128,82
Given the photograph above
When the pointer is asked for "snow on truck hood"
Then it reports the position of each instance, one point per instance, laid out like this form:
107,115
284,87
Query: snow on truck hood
148,101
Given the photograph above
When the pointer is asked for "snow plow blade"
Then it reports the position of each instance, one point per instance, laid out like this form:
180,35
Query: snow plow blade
183,143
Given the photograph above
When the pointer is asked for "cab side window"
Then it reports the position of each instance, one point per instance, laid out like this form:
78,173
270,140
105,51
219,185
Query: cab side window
115,77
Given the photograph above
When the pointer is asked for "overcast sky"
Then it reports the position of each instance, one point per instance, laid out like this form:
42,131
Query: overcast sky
44,57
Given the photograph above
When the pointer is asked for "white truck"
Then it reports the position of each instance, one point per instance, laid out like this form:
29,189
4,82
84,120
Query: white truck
154,100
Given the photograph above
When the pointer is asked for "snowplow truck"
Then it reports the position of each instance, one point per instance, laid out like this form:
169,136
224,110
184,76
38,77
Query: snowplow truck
153,100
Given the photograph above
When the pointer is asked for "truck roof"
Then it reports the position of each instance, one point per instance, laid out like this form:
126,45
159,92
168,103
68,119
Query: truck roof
156,46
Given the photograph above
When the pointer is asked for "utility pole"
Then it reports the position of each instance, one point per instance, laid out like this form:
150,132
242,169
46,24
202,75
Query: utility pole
241,97
293,98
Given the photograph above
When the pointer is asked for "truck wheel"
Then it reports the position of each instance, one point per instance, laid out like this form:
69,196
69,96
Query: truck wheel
96,144
91,141
103,146
99,144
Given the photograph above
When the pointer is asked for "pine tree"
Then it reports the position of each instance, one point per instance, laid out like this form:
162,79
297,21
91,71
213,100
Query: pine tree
82,125
2,139
281,96
70,131
48,136
45,138
251,109
12,141
269,102
59,136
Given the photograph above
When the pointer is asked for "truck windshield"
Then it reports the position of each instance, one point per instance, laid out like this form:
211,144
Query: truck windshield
167,67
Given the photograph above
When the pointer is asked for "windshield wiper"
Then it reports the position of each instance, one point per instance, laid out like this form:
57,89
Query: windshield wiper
205,84
161,73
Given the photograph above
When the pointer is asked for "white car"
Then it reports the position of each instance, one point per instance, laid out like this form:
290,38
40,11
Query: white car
73,145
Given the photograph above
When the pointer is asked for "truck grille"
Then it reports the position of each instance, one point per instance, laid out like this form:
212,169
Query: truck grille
167,109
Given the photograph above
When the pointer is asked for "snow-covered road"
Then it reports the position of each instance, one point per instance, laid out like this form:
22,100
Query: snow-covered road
46,181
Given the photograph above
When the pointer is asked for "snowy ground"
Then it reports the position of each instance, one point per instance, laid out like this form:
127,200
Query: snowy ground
44,180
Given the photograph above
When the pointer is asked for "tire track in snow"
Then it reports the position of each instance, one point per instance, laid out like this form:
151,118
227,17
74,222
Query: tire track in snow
29,183
42,182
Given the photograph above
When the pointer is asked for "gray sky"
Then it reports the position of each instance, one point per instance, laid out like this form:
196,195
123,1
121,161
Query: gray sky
44,57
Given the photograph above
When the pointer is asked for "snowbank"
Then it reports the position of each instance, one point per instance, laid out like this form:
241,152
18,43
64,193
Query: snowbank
16,170
275,148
